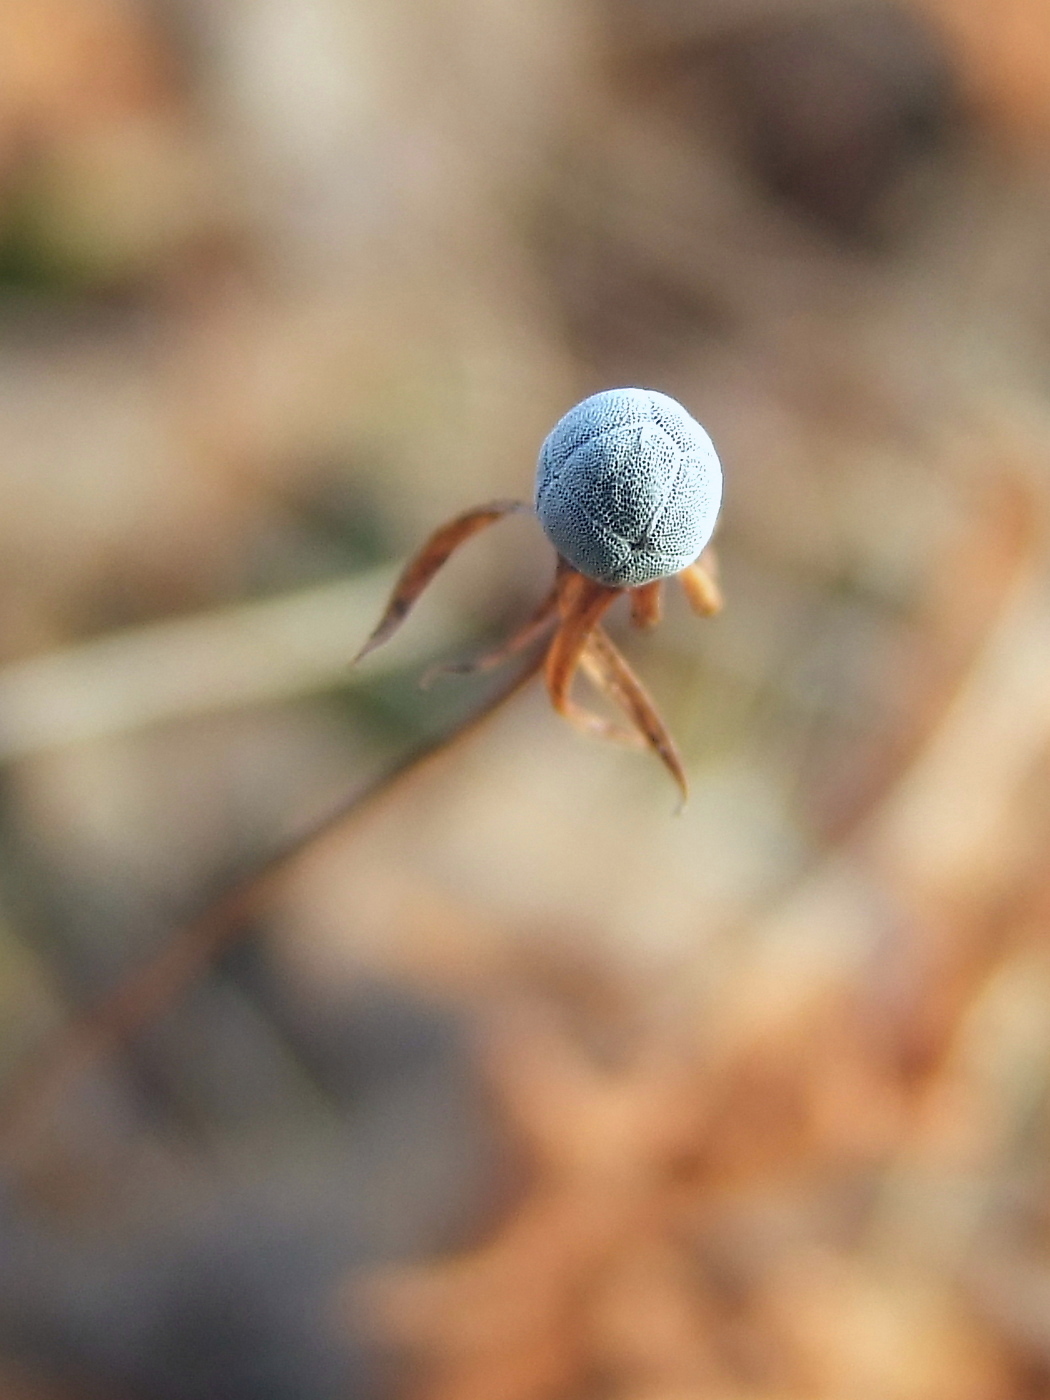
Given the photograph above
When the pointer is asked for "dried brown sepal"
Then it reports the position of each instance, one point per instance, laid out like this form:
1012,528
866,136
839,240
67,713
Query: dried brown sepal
581,604
597,672
595,725
647,604
700,584
530,631
608,668
422,568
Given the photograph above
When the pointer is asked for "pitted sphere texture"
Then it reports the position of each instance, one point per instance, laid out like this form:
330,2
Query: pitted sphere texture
628,487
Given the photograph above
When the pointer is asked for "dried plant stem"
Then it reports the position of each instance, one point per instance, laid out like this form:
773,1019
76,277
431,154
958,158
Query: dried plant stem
37,1087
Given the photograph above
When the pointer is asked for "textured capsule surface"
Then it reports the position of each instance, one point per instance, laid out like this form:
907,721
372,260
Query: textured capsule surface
628,487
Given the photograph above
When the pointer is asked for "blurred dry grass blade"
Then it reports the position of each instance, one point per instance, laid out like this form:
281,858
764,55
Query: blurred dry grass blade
250,654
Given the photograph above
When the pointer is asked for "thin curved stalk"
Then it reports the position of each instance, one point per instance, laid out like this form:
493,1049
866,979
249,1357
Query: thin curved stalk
37,1086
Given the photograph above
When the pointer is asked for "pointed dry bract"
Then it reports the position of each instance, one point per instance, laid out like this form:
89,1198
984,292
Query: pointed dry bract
596,671
608,668
420,570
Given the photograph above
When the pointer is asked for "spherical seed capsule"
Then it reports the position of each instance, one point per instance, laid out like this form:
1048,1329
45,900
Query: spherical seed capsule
628,487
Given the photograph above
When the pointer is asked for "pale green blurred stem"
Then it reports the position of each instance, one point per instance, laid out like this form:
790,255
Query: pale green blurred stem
247,654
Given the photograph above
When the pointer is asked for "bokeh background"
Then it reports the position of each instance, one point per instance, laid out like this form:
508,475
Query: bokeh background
520,1087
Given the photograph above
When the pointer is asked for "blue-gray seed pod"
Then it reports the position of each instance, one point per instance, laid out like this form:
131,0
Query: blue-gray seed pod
628,487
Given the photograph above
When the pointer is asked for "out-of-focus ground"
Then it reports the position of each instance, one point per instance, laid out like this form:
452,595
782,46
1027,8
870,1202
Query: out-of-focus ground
523,1088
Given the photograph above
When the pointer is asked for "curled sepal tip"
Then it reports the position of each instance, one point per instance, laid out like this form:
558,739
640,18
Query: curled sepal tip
418,572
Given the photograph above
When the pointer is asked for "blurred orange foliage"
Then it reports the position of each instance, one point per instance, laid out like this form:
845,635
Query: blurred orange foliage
1002,49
